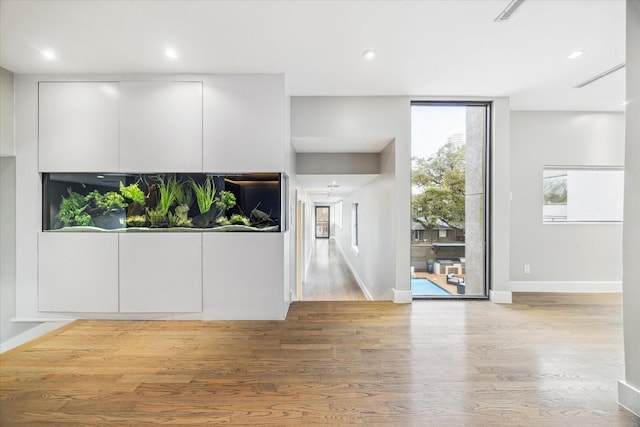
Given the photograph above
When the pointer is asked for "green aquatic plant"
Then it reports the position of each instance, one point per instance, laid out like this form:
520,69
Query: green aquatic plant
184,194
238,219
223,220
205,194
72,209
136,220
133,193
108,201
226,200
157,218
176,221
180,218
167,191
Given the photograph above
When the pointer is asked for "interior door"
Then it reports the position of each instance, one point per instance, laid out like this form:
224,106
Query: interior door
322,222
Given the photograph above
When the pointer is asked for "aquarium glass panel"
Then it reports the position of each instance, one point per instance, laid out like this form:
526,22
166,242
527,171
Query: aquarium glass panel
162,202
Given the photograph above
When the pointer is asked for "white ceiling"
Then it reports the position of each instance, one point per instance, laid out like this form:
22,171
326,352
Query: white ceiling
423,48
444,48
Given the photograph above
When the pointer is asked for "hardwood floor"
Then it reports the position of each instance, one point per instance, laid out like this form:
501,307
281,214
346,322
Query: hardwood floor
546,360
329,277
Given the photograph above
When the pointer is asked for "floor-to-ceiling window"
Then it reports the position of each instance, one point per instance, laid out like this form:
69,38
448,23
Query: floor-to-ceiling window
449,182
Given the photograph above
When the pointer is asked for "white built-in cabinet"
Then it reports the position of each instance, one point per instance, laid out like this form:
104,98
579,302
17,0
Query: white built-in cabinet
78,272
223,123
160,272
161,126
120,126
119,272
243,275
244,127
78,126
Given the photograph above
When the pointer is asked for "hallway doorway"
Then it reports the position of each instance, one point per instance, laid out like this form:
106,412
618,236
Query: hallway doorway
322,222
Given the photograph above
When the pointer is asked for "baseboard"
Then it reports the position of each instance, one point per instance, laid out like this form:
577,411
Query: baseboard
356,276
31,334
500,297
629,397
402,297
565,286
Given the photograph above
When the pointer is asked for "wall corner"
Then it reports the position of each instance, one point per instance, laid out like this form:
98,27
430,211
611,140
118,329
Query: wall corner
402,297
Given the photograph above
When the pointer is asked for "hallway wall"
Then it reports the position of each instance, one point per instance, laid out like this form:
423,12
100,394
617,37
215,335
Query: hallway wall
374,261
380,118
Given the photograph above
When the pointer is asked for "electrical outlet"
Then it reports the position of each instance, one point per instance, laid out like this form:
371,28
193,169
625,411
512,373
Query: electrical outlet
527,269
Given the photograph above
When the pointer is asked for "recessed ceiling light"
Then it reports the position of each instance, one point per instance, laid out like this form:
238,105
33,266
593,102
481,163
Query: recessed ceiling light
48,54
575,54
171,53
368,54
100,176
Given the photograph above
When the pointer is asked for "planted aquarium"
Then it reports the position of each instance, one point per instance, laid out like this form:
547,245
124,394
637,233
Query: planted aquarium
162,202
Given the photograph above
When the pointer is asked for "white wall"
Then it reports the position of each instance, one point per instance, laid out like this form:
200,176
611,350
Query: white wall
290,288
563,257
374,262
8,329
338,163
7,144
629,388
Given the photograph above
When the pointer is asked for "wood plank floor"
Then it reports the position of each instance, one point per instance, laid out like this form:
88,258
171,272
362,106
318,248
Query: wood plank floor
329,277
546,360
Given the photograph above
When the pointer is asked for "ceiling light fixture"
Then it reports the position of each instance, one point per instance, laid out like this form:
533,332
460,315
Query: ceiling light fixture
368,54
575,54
171,53
599,76
48,54
509,10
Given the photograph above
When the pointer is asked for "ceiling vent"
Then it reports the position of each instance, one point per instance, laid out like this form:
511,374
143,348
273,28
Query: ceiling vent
509,10
599,76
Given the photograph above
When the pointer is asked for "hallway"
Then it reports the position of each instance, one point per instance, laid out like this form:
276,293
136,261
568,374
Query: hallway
329,277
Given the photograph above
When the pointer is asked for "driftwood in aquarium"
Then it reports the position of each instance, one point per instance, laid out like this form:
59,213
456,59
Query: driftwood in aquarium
151,199
208,219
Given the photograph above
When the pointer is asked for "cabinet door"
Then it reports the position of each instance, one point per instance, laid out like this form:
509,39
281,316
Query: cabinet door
78,126
160,272
243,275
244,124
78,272
161,127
